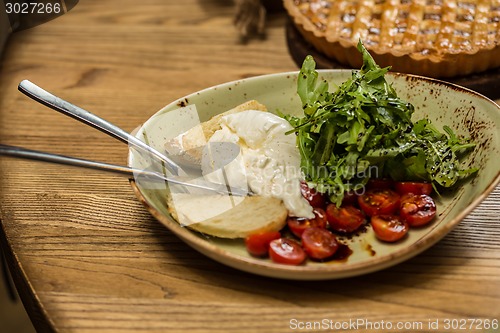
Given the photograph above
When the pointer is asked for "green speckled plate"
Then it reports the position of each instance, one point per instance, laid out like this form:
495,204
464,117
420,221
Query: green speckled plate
465,111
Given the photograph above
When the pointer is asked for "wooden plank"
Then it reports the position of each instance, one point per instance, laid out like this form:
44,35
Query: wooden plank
89,258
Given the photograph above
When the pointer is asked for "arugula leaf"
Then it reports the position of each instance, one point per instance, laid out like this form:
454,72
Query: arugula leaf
310,94
363,130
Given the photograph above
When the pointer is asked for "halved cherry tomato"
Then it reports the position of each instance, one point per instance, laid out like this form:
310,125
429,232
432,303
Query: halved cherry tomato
297,225
286,251
319,243
344,219
413,187
379,201
417,209
389,228
315,198
379,184
258,244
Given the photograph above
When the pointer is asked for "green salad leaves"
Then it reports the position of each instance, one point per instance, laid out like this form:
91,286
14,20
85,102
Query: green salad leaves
364,130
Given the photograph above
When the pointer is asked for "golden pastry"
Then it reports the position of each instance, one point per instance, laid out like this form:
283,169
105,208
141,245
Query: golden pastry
436,38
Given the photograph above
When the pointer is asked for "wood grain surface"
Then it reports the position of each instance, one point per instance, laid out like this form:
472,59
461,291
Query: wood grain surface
85,254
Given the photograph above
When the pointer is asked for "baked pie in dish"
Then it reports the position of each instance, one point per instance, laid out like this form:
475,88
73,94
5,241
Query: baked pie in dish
436,38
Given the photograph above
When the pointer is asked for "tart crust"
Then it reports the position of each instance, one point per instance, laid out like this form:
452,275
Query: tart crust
436,38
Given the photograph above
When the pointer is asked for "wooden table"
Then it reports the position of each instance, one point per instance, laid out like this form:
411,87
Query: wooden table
87,257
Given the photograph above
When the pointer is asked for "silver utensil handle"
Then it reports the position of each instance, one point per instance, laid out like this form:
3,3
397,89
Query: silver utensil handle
44,97
24,153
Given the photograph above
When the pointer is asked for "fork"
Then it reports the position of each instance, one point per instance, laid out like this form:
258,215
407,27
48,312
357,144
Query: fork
58,104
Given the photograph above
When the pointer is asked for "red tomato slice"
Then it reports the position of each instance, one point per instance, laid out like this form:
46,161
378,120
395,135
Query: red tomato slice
344,219
417,209
297,225
315,198
389,228
376,202
413,187
258,244
286,251
319,243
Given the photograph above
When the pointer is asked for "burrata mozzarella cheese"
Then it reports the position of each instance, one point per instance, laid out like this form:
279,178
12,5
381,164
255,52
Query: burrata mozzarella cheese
268,163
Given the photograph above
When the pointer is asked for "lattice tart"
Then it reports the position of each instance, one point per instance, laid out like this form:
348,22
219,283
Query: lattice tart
437,38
